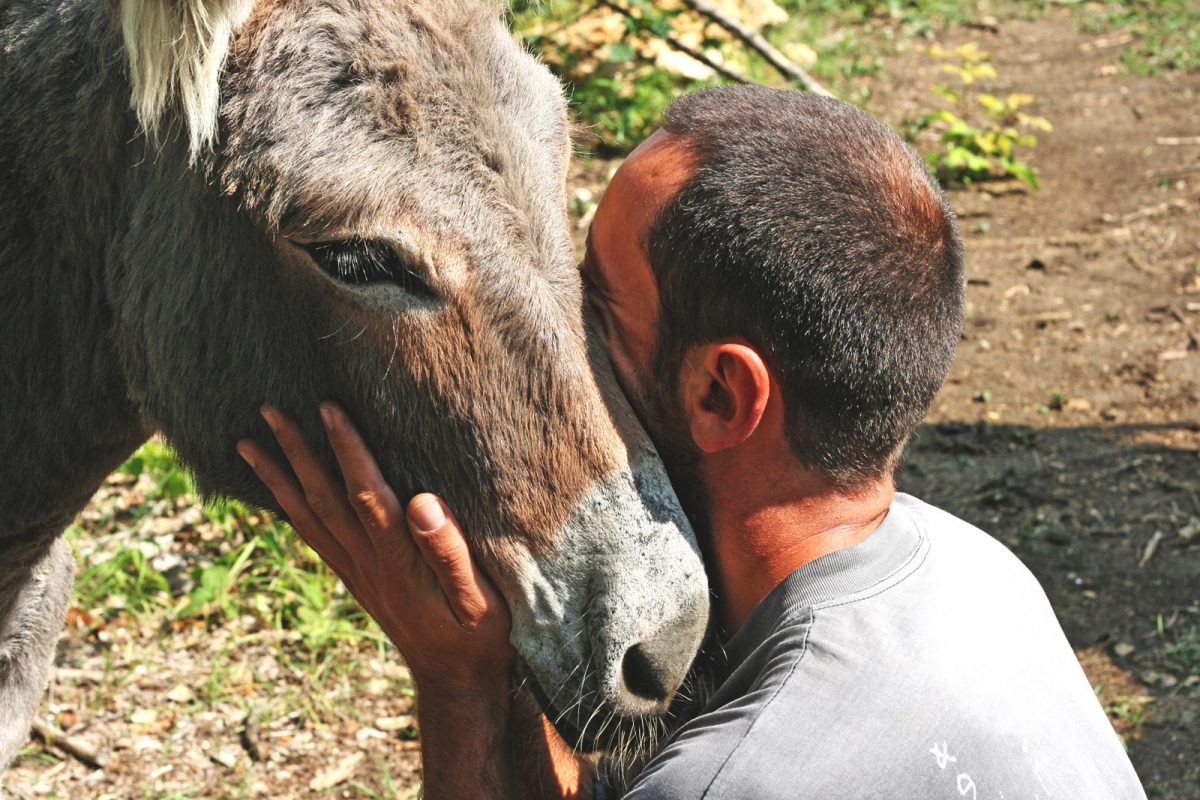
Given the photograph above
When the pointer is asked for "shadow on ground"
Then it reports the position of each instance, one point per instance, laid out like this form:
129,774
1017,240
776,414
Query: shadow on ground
1108,519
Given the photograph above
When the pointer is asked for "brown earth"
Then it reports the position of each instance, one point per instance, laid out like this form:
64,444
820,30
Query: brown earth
1069,429
1083,337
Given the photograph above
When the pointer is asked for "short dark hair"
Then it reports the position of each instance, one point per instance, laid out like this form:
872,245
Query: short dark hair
816,233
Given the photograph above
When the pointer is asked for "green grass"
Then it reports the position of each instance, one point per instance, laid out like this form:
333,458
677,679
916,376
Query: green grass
1166,32
249,567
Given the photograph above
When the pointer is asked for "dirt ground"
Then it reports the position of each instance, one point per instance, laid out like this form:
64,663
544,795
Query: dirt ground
1070,425
1069,429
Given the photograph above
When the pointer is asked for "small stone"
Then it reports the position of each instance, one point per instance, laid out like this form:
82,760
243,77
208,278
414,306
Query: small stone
368,732
181,694
1078,404
227,757
394,723
143,716
1122,649
338,773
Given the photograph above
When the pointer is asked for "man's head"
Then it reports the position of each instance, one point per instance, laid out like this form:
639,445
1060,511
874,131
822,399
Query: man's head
784,239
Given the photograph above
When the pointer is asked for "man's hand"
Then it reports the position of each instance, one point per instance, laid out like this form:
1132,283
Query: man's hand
412,572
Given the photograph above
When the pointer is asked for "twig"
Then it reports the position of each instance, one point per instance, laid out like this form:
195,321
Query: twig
680,46
79,675
1173,141
250,739
1151,547
70,744
755,41
1148,211
1193,339
1173,172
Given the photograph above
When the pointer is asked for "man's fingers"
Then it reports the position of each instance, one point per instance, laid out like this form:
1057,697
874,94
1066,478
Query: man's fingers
322,493
291,499
373,500
467,589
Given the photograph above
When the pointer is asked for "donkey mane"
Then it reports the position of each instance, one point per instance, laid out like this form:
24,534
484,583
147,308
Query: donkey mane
176,50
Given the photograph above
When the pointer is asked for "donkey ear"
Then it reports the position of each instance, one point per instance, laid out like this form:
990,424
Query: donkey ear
176,49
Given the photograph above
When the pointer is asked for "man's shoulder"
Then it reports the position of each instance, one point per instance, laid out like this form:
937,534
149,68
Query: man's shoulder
890,686
958,546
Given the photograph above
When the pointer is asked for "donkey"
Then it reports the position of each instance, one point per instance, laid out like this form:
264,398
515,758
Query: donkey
210,204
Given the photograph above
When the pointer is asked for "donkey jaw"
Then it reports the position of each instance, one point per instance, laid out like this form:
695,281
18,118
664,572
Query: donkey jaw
608,620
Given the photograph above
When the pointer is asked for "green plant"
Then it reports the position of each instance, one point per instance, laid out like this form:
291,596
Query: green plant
155,460
608,62
1181,652
979,138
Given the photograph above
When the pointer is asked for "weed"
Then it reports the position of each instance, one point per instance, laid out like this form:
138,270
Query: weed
1131,710
980,136
1181,652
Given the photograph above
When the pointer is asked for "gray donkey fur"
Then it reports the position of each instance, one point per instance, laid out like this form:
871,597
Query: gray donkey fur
163,282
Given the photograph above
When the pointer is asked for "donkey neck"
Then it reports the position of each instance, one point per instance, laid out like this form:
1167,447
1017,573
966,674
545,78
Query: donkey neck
69,419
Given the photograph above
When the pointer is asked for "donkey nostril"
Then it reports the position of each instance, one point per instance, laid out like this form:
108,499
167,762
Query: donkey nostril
643,675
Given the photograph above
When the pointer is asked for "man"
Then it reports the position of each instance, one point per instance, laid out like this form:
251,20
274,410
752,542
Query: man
780,287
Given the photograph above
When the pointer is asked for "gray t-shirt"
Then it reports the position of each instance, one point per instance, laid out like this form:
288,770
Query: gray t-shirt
924,662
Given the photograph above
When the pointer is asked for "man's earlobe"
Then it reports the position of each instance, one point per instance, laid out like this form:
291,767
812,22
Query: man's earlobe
726,387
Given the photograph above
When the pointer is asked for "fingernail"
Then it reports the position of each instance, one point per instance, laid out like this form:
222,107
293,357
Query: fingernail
327,417
244,452
268,414
427,514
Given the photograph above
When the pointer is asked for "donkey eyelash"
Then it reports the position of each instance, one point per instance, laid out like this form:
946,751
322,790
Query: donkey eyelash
358,261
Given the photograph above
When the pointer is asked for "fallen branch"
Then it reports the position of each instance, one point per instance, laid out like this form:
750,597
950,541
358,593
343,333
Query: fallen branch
721,69
71,745
755,41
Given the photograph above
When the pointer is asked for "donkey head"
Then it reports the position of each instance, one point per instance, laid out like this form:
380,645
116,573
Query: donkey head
374,211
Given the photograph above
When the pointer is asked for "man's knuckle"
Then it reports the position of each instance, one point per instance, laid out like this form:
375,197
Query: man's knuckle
373,507
364,498
319,503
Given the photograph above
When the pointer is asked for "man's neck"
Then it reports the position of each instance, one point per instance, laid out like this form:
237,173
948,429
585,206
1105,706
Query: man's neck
763,533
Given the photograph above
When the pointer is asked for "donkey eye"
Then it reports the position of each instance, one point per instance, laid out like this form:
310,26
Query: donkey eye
358,262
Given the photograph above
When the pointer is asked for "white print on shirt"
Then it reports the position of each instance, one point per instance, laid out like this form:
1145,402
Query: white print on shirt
942,754
966,784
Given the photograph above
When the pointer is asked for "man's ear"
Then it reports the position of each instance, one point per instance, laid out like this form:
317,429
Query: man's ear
725,390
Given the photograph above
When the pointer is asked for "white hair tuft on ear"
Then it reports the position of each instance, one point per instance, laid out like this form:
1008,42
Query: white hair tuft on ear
176,50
